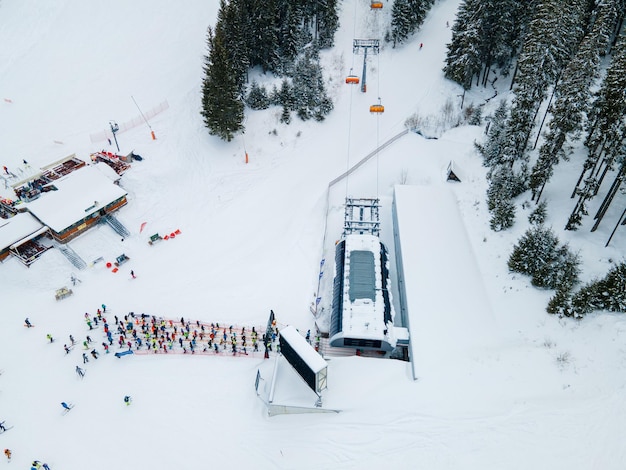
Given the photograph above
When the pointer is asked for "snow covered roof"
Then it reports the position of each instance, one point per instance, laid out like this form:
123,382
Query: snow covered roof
107,171
16,228
78,195
446,302
363,307
315,362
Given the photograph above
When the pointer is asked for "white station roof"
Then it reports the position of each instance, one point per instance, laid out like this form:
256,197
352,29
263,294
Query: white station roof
363,304
78,195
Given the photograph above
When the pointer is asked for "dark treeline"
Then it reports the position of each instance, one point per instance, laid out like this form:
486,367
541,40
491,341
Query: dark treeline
567,57
281,37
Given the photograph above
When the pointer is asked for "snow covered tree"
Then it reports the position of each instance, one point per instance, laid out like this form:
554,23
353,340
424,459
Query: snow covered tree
400,21
292,36
486,33
504,184
473,115
538,215
502,215
285,98
222,107
503,187
326,22
560,303
463,60
539,255
572,99
561,271
607,133
257,97
608,294
406,17
533,250
610,19
263,33
308,90
235,40
553,35
492,148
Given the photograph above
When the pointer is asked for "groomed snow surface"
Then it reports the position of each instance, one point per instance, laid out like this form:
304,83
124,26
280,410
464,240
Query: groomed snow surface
541,393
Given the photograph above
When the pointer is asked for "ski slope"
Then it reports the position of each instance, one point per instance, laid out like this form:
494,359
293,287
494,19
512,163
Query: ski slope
546,393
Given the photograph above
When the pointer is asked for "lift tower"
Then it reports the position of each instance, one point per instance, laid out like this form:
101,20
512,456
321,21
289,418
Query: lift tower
365,45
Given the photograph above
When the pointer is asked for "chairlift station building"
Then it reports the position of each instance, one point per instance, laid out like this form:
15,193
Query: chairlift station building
362,310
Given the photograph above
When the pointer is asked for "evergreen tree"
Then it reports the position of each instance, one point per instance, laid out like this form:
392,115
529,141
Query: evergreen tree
285,98
608,294
310,99
293,36
503,187
533,250
406,17
502,214
259,20
561,271
553,35
257,97
235,40
538,215
486,33
572,102
222,107
473,115
539,255
607,131
560,303
463,59
400,21
326,21
492,149
610,18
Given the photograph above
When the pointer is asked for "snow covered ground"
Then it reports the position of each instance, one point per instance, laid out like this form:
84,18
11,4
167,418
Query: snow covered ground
544,393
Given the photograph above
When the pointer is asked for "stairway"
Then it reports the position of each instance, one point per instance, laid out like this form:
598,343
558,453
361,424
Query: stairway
71,255
115,225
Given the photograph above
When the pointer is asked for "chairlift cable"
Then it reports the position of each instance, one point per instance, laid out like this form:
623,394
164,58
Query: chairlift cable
350,108
349,139
377,121
353,32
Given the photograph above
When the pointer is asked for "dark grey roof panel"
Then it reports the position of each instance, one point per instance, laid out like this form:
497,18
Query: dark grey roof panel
362,276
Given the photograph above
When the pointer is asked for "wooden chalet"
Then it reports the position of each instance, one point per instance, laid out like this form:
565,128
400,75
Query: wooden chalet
75,202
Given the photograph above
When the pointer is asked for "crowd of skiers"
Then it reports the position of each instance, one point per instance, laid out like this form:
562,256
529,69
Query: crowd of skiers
149,334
